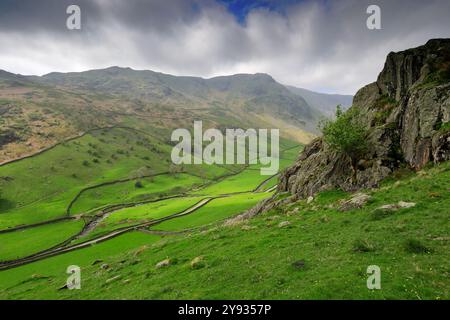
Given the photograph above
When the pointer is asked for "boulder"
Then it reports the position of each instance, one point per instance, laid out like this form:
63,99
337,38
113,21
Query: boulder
283,224
198,263
357,201
403,204
299,264
163,263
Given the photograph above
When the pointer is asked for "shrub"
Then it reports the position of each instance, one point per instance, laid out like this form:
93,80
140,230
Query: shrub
138,184
445,127
85,163
346,135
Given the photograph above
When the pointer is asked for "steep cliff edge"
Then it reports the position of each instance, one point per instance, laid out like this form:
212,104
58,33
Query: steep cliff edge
407,114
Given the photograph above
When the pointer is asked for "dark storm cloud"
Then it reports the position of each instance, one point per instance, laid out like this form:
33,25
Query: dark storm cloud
43,15
322,45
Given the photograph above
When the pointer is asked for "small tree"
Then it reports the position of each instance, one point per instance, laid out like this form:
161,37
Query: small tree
346,135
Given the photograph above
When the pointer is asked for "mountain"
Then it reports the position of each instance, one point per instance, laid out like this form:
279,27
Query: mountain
254,93
38,112
325,103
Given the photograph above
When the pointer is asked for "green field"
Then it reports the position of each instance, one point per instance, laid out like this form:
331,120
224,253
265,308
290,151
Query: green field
216,210
322,254
144,212
112,179
316,252
39,274
21,243
41,188
128,192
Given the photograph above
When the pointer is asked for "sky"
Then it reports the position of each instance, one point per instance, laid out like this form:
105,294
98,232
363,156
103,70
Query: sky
321,45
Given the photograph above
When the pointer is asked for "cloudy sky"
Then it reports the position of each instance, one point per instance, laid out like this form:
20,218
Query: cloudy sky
323,45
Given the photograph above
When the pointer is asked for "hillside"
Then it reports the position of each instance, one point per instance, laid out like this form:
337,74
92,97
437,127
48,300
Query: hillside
38,112
304,251
248,95
325,103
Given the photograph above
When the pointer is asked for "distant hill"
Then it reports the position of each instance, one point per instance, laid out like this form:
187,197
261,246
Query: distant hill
325,103
41,111
254,93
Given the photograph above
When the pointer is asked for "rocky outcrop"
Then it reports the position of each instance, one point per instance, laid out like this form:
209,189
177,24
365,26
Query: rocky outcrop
407,114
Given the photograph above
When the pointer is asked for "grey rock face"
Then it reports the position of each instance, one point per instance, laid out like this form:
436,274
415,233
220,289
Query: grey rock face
406,111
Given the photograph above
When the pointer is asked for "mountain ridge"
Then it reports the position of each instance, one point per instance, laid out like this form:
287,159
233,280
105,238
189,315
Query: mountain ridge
39,111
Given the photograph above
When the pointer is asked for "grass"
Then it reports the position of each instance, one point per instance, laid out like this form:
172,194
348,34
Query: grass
250,178
445,127
52,271
258,259
40,188
61,173
25,242
245,181
128,192
142,213
216,210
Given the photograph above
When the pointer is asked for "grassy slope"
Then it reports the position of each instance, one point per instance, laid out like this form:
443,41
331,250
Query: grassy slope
216,210
247,180
38,274
42,187
22,243
141,213
256,262
127,192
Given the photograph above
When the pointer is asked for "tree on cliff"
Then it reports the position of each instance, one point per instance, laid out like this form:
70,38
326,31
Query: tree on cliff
346,135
